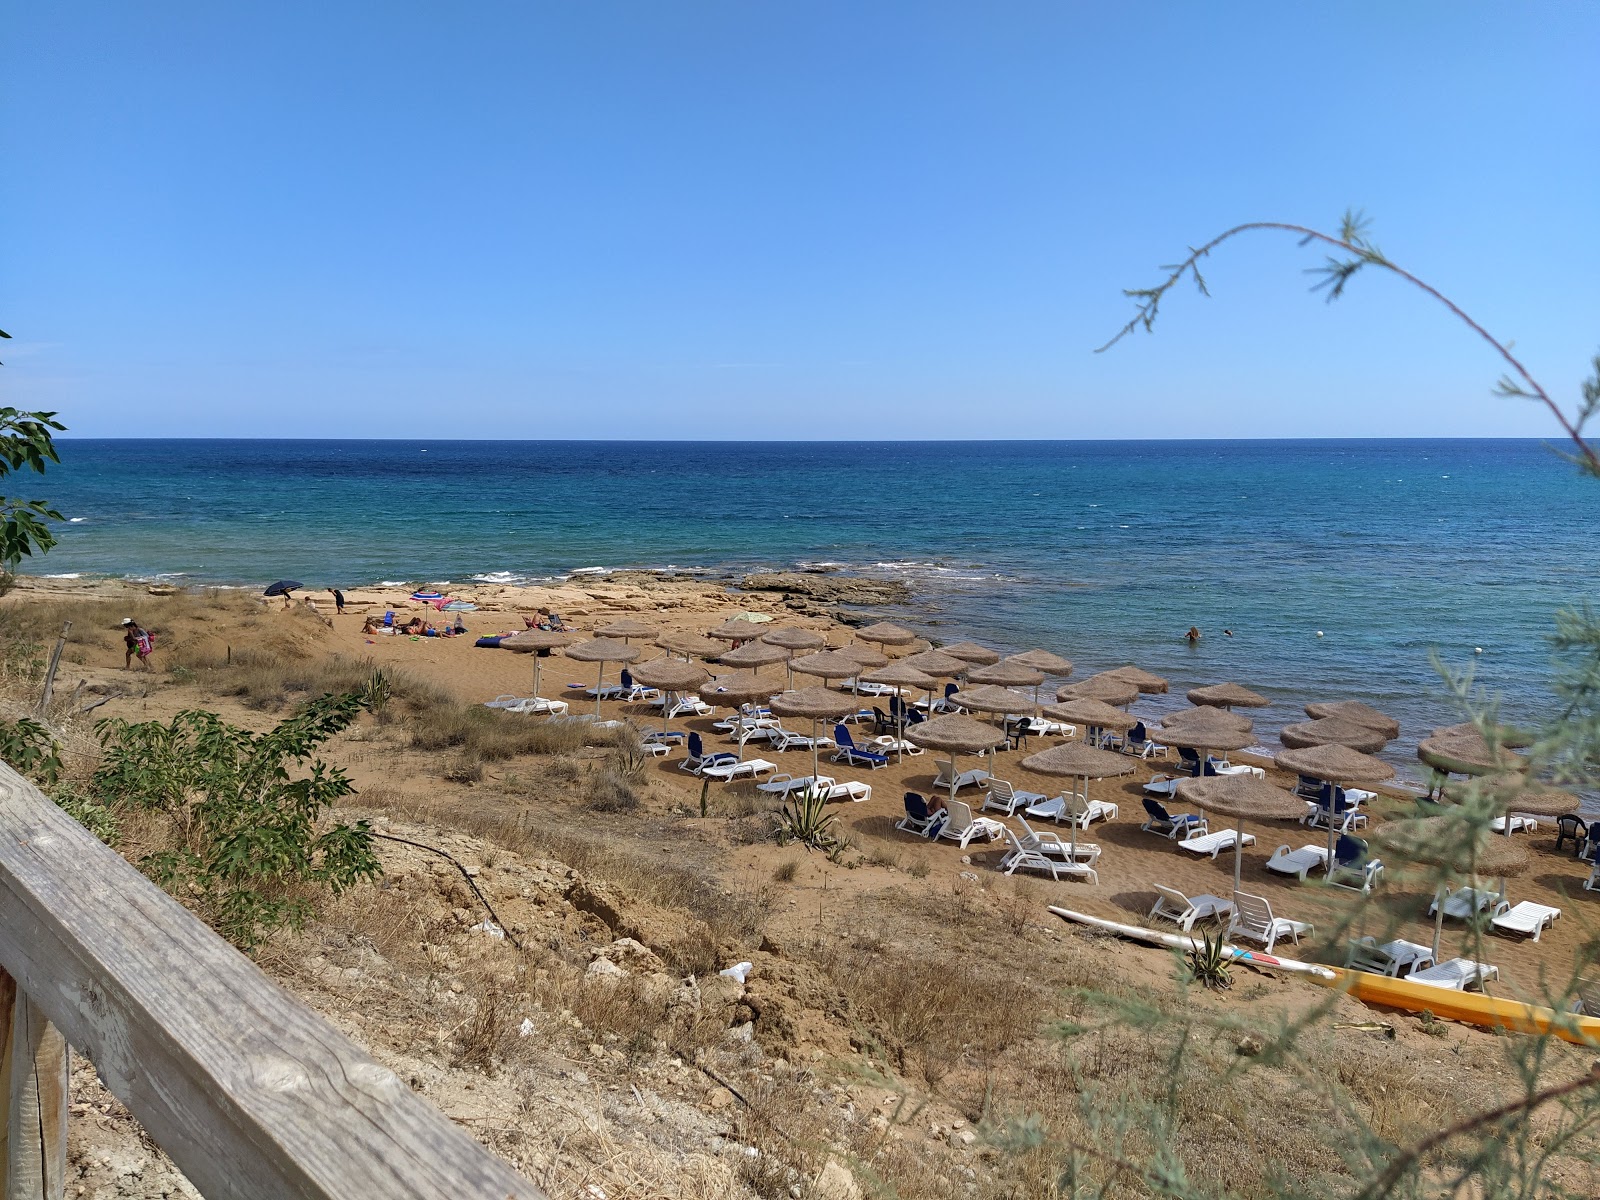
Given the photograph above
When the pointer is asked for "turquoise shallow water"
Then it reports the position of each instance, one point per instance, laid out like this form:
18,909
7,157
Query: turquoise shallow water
1103,551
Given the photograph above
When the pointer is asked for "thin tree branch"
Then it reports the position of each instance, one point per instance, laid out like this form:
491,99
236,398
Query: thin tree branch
1403,1162
1151,298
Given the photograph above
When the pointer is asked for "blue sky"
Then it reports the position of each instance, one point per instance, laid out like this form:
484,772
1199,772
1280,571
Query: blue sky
793,221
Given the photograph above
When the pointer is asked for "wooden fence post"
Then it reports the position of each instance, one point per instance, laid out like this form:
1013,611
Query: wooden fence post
50,674
33,1099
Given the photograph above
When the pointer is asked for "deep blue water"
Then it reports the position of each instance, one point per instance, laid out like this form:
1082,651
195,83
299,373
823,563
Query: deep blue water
1103,551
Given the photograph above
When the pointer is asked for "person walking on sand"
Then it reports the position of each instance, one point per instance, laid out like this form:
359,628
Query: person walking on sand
338,602
136,641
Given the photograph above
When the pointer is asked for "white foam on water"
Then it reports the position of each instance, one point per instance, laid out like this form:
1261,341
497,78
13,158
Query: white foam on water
66,575
76,521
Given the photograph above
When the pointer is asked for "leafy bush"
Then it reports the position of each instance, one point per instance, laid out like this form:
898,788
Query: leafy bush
246,830
31,749
807,822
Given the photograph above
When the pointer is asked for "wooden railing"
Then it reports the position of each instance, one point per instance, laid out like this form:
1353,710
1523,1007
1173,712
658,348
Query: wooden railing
252,1094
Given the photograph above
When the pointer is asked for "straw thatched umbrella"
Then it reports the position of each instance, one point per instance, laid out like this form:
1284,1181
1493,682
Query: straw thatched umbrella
1464,752
868,656
1454,845
1334,764
1508,736
754,655
955,733
900,676
1333,731
1076,760
1100,687
1213,716
691,645
1006,673
735,631
1241,797
1092,715
537,642
886,633
1513,793
971,652
735,691
627,628
792,637
1150,684
938,664
819,704
1204,732
826,664
990,698
1357,712
602,651
1227,695
671,676
1042,660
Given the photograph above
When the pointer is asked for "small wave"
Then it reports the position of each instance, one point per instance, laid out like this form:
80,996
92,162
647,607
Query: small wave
74,521
394,583
505,577
590,571
66,575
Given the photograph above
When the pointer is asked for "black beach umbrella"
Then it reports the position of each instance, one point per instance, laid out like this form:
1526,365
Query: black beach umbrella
283,587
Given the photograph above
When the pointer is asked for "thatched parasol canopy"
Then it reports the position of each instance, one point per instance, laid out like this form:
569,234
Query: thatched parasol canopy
1453,844
1143,680
971,652
1200,733
1514,794
735,631
730,691
754,654
886,633
1333,731
820,704
1216,716
991,699
671,674
1096,714
627,627
1227,695
1077,759
1466,753
956,734
936,663
899,675
1099,687
1244,796
604,650
827,664
864,654
792,637
1006,673
1505,735
1356,712
692,644
531,640
1337,763
1042,660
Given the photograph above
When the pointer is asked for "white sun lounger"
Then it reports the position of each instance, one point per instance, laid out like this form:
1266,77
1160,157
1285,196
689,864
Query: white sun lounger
1525,919
1006,799
1395,959
1463,902
1050,842
1458,974
1173,905
977,777
748,769
1163,787
1252,918
1213,844
1020,857
1520,823
851,789
782,785
532,705
962,826
1298,863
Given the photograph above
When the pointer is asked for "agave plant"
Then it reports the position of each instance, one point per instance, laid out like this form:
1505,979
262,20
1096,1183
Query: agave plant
1208,965
807,822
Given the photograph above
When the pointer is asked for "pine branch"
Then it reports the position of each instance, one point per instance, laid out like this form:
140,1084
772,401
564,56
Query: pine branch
1356,253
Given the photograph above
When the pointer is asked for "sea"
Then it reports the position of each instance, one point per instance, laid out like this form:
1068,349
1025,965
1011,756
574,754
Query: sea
1315,570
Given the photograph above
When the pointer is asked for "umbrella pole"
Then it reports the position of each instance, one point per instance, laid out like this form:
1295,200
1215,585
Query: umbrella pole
816,758
535,674
1438,921
1238,854
1332,794
952,777
599,675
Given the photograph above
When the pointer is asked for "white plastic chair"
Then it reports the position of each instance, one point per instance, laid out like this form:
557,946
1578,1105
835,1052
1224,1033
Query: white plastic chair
1005,798
1457,974
1020,857
1298,863
962,826
1526,919
1252,918
1173,905
977,777
1213,844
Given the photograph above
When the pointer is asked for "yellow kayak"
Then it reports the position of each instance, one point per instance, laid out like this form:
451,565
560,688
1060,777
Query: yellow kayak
1474,1008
